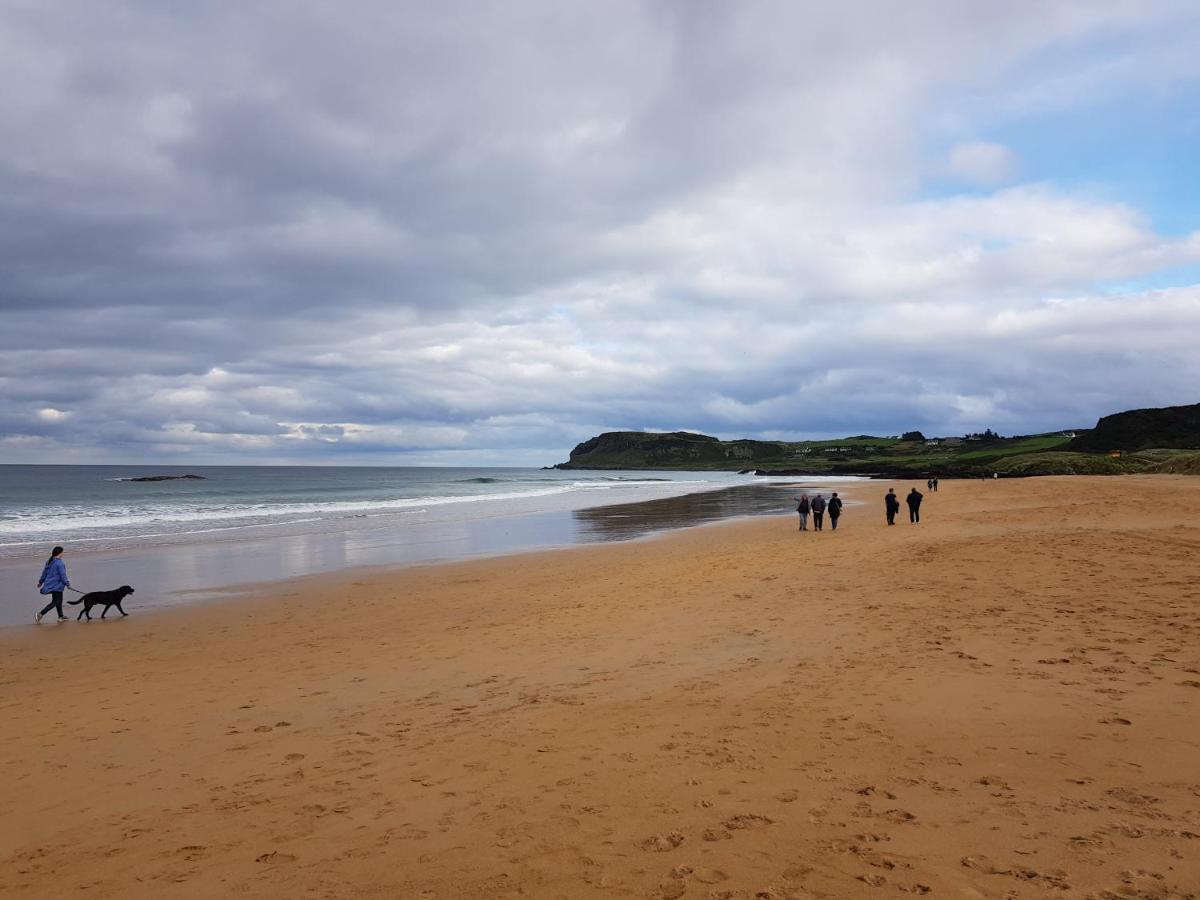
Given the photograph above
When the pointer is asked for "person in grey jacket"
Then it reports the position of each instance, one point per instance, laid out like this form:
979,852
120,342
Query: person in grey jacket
818,511
52,582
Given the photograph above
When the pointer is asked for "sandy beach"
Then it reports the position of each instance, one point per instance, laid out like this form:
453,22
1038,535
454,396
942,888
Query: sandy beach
999,702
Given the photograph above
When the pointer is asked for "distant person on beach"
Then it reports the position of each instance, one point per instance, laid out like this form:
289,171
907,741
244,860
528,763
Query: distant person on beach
52,582
929,484
802,510
835,510
934,485
891,503
818,511
914,506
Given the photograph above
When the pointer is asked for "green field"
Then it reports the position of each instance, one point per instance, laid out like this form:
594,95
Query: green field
1038,454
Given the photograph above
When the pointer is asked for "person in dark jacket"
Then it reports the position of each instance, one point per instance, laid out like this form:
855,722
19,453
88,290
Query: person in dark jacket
891,503
835,510
818,511
802,510
52,582
914,506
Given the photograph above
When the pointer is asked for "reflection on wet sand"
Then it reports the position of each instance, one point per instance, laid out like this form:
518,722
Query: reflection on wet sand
633,520
167,575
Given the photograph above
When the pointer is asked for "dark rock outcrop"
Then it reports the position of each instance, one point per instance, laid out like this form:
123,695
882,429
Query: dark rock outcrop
676,449
168,478
1170,428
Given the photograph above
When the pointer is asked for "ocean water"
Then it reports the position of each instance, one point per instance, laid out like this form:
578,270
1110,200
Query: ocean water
180,540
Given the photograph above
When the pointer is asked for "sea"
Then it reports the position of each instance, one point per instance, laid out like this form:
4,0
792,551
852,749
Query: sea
180,539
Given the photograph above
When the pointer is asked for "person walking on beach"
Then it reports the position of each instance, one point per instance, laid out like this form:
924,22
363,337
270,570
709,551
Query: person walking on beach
934,485
891,503
835,510
52,582
914,506
802,510
818,511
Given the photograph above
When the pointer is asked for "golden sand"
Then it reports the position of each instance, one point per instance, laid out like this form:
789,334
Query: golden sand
1003,701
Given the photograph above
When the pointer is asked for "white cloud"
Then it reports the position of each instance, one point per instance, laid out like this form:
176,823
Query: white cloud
449,237
981,163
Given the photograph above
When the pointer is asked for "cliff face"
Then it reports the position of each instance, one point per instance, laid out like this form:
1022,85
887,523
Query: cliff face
1171,427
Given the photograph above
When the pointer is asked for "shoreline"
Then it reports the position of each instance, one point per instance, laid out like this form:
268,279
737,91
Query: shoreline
1000,701
166,574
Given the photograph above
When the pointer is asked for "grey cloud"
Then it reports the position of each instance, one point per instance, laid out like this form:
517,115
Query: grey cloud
389,231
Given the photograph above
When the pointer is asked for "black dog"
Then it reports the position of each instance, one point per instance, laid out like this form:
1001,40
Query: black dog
102,598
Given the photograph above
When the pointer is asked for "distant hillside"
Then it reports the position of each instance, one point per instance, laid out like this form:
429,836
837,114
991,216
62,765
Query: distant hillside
862,454
1171,427
674,450
1151,440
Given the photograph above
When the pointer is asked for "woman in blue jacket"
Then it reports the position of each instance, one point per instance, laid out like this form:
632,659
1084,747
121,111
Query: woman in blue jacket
52,582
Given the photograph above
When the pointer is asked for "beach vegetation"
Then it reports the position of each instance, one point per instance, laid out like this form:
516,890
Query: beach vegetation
1176,430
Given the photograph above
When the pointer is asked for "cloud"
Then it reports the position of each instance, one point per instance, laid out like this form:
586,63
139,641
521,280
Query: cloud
395,233
981,163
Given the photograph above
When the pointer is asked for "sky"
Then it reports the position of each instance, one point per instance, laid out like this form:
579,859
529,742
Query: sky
404,233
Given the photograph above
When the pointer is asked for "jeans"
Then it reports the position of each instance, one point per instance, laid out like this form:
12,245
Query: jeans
803,521
818,518
833,522
55,603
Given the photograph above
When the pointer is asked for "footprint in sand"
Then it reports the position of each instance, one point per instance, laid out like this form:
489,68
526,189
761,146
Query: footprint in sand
275,857
747,820
662,843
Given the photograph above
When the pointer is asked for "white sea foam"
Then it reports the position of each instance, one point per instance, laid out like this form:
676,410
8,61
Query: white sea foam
159,518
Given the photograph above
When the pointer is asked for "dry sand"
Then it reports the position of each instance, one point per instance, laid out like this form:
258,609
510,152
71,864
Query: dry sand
999,702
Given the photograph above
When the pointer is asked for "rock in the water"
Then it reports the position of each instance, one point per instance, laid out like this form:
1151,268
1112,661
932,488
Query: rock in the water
168,478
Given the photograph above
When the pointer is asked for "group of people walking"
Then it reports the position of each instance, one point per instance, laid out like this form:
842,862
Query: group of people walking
818,506
891,505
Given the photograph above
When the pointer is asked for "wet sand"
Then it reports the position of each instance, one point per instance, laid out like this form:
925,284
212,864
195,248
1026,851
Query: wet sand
166,574
999,702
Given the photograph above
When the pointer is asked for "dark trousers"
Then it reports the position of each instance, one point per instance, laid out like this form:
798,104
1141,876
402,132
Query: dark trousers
891,514
914,514
55,603
833,521
818,518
